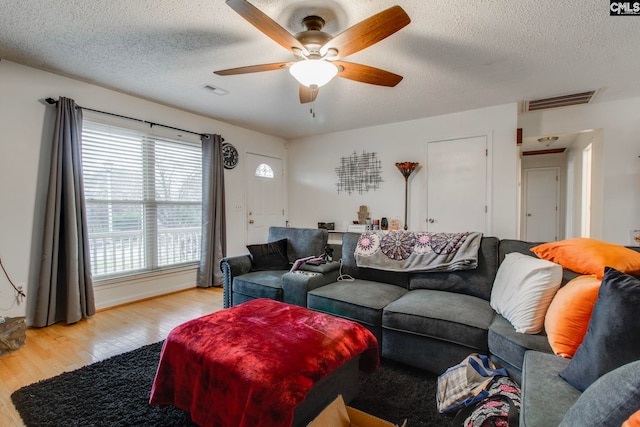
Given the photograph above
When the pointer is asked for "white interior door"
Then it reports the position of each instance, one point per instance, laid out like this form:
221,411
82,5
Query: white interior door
541,204
457,185
265,196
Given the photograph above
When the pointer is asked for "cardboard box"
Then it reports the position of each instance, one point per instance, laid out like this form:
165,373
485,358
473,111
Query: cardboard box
337,414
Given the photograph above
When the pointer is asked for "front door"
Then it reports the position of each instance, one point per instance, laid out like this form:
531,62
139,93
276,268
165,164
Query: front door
265,196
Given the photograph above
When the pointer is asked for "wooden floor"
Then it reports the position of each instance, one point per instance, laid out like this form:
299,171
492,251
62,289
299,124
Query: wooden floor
59,348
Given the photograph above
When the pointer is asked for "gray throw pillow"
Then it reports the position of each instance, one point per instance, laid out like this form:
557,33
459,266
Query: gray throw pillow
612,339
609,401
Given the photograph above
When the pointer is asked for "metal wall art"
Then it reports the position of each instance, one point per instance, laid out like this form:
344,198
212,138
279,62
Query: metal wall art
359,173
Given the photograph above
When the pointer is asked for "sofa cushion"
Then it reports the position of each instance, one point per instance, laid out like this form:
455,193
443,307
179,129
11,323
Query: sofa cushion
633,420
260,284
510,346
457,318
609,401
359,300
477,282
301,242
612,338
568,315
590,256
349,266
507,246
269,256
523,290
545,396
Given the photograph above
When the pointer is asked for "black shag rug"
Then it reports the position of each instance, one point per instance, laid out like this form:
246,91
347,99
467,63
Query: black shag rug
115,392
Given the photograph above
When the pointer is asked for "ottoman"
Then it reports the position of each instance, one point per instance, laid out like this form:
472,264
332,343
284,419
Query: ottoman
262,362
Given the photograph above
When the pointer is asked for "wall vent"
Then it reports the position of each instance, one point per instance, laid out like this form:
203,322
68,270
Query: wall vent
559,101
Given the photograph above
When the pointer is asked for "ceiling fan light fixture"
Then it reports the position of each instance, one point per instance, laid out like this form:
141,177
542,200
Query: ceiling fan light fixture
313,72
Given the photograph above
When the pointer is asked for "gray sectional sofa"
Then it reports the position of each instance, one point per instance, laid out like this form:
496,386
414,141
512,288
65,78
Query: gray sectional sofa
431,320
428,320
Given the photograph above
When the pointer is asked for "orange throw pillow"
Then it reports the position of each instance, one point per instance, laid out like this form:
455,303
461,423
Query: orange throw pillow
569,313
590,256
633,421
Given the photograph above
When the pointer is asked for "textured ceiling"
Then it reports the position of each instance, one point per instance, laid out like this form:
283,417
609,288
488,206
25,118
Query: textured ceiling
454,56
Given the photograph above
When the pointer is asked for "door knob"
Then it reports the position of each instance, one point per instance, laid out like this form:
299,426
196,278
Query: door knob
431,220
251,221
529,215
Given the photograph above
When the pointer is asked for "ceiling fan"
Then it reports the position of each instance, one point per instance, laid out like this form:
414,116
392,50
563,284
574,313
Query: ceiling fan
318,53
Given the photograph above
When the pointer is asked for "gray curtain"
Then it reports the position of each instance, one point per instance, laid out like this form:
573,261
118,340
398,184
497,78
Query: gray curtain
214,235
65,289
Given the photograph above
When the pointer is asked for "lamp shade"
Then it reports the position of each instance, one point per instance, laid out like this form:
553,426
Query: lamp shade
313,72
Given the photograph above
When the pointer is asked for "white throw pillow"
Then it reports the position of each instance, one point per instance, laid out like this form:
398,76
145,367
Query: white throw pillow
523,289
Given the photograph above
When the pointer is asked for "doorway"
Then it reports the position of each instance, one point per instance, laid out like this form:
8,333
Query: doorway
541,204
265,196
578,156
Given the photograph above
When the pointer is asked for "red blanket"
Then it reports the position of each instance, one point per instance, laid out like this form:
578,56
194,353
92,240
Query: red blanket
252,364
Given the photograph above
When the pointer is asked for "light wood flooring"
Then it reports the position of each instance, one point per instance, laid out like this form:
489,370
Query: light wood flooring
50,351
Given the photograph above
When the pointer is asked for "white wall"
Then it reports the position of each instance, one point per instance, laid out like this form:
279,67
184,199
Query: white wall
26,126
313,193
620,165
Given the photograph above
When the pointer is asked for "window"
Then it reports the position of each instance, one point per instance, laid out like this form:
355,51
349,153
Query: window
143,197
585,227
264,170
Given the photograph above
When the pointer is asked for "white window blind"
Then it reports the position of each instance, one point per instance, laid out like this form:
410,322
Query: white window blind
143,196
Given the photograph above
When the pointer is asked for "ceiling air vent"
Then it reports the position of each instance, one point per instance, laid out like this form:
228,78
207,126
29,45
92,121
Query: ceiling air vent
559,101
216,90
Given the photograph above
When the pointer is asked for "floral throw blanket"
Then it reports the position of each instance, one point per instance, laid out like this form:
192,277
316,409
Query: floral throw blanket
408,251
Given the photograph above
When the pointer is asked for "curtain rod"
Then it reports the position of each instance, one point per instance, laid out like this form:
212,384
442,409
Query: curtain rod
52,101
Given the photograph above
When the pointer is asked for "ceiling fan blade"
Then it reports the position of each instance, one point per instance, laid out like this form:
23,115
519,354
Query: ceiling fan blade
265,24
254,69
368,32
307,94
366,74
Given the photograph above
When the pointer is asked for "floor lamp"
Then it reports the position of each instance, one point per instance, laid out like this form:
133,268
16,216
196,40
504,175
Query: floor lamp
406,169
